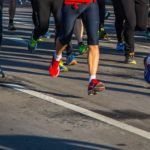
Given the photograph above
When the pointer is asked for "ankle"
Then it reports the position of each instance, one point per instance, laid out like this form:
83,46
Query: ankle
58,57
92,77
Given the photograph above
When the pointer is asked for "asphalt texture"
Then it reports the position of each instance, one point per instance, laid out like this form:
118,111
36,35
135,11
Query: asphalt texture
30,123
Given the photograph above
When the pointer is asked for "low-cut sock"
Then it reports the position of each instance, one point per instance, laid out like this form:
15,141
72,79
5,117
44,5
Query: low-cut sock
58,57
92,77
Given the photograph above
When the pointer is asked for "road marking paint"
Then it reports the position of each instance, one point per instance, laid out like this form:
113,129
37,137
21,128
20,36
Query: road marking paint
81,110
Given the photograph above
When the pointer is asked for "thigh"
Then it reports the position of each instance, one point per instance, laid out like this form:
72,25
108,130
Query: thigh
69,17
91,23
43,12
118,8
57,11
129,11
141,8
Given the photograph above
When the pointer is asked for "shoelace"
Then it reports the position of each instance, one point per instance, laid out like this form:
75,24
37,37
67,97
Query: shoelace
94,82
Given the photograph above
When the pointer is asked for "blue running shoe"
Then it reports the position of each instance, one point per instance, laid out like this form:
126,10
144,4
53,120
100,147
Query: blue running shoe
147,70
71,60
43,38
47,35
120,46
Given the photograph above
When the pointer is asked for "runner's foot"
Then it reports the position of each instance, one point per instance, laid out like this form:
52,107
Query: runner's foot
95,86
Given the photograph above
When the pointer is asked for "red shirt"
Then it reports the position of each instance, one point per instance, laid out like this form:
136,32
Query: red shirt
75,2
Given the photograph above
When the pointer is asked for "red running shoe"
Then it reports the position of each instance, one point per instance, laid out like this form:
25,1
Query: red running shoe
54,68
95,86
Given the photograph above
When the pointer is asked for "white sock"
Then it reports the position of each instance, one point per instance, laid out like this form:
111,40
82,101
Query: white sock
58,57
148,60
92,77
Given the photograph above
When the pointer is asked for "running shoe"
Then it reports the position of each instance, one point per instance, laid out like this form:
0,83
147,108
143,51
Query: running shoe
62,67
47,35
71,60
148,34
95,86
82,48
2,73
103,34
107,15
32,44
54,68
146,70
120,46
11,27
129,59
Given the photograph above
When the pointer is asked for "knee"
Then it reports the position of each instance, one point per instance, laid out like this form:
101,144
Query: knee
93,47
65,39
130,26
92,41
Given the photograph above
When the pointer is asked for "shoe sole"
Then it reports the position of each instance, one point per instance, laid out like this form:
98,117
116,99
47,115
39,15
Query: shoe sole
95,90
74,62
64,70
132,63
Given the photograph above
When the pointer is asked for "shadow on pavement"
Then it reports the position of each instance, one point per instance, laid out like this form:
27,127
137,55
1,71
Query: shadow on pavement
19,142
124,114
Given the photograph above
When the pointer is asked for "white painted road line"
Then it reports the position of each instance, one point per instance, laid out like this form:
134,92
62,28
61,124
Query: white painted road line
81,110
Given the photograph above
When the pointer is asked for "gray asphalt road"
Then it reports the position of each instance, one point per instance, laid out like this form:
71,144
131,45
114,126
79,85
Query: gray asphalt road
30,123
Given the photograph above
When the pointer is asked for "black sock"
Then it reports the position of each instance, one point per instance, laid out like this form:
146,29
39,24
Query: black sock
11,21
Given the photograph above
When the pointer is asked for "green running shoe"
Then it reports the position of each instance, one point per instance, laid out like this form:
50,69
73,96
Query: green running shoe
32,44
62,67
103,34
82,48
